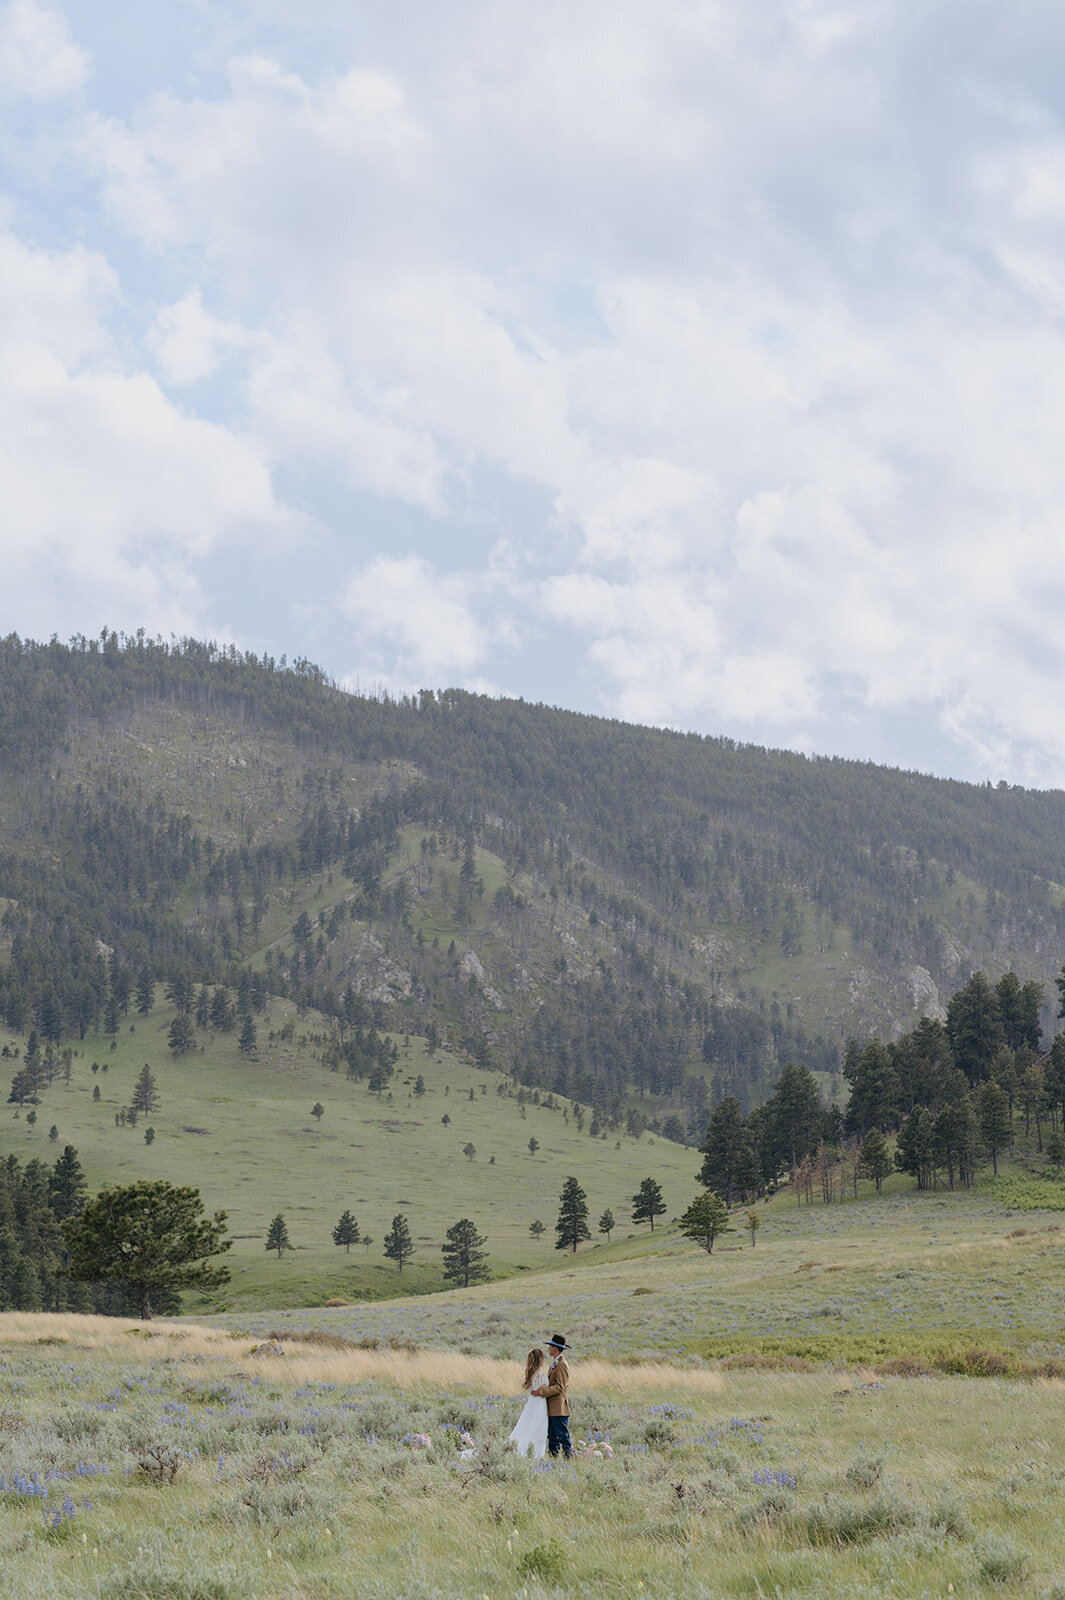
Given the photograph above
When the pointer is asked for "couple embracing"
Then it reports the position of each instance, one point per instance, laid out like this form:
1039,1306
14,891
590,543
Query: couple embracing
544,1423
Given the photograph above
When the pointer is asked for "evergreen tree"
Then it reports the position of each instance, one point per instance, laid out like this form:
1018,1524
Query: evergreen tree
318,1111
873,1158
915,1147
752,1222
537,1230
463,1254
469,1151
346,1232
66,1185
993,1114
792,1127
221,1011
572,1225
277,1236
606,1224
145,1095
249,1038
150,1238
647,1202
974,1028
145,997
399,1246
874,1090
181,1036
729,1165
705,1219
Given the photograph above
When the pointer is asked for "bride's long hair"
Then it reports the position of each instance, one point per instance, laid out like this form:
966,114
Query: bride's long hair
532,1366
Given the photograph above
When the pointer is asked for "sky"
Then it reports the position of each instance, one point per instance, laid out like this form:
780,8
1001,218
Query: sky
695,362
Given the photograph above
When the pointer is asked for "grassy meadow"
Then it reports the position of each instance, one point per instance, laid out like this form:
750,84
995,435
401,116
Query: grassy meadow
173,1464
241,1130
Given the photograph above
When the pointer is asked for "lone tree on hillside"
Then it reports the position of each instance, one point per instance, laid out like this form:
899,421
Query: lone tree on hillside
145,1094
318,1111
572,1225
399,1246
704,1219
277,1236
537,1230
469,1151
346,1232
150,1238
463,1254
534,1145
752,1222
647,1202
606,1224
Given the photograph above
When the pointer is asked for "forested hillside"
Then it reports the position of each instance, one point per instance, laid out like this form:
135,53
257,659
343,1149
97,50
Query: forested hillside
639,920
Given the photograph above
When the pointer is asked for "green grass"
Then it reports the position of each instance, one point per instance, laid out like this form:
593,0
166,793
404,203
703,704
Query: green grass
927,1276
174,1468
241,1131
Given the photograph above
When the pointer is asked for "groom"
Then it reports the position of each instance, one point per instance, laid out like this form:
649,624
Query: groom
557,1393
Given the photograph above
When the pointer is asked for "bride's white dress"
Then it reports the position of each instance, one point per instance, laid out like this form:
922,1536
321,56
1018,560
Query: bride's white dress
530,1432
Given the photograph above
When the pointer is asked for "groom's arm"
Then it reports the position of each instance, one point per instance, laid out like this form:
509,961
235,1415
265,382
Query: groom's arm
559,1384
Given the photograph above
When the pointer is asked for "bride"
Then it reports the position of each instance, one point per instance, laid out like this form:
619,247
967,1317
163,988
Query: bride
530,1433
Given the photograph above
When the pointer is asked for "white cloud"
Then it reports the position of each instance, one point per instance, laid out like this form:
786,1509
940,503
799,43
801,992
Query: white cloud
428,618
742,325
38,58
112,495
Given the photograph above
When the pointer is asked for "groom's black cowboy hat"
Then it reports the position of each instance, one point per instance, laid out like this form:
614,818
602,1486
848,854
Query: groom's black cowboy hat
559,1343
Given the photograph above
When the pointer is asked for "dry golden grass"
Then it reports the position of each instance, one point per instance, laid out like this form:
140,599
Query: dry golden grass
306,1362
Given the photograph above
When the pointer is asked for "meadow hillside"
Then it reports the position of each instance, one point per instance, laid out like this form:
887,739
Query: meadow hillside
174,1463
909,1279
240,1129
635,920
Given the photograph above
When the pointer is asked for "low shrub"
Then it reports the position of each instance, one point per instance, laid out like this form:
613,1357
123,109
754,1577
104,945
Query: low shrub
865,1473
544,1562
1000,1560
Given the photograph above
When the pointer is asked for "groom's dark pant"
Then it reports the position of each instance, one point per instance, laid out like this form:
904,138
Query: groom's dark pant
558,1437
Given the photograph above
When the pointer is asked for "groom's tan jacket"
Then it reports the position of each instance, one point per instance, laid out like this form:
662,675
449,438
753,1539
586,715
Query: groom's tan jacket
557,1390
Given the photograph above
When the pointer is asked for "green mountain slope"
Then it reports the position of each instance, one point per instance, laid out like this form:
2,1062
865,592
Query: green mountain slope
632,919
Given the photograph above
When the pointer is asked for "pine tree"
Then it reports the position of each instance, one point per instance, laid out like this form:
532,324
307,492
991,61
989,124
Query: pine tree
66,1185
873,1157
572,1225
647,1202
181,1036
993,1112
145,1095
728,1165
606,1224
145,993
537,1230
151,1238
463,1254
399,1246
469,1151
277,1236
705,1219
248,1035
346,1232
318,1112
